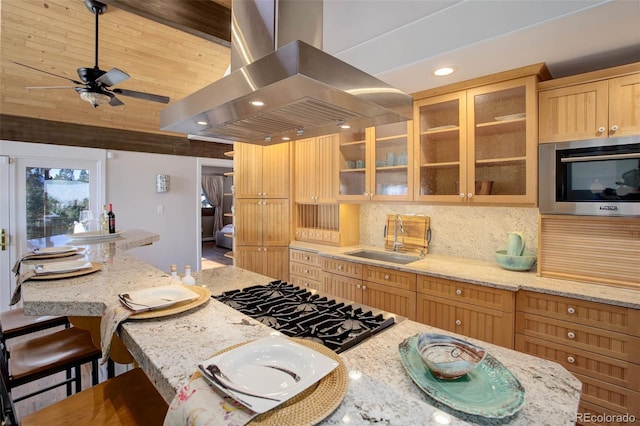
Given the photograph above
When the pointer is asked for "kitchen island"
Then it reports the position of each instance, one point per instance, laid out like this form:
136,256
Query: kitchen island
379,390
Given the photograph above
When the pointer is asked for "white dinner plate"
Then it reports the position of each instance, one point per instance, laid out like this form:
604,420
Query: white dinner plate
93,235
256,368
160,297
62,267
55,250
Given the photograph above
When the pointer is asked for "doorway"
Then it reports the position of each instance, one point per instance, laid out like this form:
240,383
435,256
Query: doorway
216,221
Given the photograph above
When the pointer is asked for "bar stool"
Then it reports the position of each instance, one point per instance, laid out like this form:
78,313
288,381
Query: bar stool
43,356
127,399
15,323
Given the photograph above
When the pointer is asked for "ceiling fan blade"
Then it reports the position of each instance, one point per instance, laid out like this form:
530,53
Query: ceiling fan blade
50,87
112,77
50,73
142,95
115,101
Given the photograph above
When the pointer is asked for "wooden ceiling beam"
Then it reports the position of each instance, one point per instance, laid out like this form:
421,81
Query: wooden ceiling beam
201,18
25,129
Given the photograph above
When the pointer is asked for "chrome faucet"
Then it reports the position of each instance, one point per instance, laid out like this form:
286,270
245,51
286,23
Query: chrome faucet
397,229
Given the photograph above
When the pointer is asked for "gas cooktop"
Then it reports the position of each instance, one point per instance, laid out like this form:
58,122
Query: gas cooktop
297,312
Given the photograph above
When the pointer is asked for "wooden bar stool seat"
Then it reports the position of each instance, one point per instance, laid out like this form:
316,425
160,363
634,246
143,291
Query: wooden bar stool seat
127,399
65,350
15,323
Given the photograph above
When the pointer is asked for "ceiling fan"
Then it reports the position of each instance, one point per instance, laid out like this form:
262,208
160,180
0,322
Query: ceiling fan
95,82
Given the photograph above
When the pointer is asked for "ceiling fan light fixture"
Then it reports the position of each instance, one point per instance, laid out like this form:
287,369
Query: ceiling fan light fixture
95,98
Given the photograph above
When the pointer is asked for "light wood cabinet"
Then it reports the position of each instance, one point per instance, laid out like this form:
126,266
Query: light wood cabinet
380,288
261,171
262,222
315,170
599,343
262,211
374,163
390,290
476,311
478,145
592,110
270,261
305,269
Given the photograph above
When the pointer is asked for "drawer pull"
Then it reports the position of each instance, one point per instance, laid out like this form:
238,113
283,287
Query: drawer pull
458,322
364,287
306,271
386,276
306,257
459,292
571,310
571,335
339,267
357,285
571,360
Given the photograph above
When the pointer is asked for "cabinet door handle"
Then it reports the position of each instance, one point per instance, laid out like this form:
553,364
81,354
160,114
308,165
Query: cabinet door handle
364,287
306,257
306,271
571,310
459,292
601,129
571,360
386,276
339,267
571,335
3,240
357,285
458,322
614,128
462,195
470,195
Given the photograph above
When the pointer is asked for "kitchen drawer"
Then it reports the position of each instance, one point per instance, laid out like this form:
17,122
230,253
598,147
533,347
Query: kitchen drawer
342,267
488,297
614,318
391,277
611,370
594,415
305,282
301,256
490,325
303,270
604,342
610,396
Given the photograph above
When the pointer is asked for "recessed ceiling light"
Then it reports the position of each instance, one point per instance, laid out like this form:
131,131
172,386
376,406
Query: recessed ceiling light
286,138
202,122
257,103
443,71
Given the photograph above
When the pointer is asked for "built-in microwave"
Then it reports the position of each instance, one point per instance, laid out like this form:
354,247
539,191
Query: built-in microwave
596,177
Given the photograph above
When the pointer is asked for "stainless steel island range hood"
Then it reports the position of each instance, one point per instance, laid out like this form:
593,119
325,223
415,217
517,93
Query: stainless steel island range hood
282,85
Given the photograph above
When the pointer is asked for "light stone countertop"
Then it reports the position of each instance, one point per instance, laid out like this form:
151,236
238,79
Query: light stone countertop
169,348
488,274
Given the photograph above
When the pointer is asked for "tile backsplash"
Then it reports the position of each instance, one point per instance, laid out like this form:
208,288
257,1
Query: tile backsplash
461,231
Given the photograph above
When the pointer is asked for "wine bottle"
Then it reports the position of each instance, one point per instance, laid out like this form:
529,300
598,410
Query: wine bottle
112,220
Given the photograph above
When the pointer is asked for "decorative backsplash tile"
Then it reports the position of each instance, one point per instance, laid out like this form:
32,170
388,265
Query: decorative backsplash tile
461,231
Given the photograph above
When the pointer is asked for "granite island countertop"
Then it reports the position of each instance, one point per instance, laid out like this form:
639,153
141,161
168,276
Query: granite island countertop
488,274
380,390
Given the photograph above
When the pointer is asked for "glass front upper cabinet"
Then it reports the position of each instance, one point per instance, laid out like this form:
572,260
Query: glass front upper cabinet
478,145
440,147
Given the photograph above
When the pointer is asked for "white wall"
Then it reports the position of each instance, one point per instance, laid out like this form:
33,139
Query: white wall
131,190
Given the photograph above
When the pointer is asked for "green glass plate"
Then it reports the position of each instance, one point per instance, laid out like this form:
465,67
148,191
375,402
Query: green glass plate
490,390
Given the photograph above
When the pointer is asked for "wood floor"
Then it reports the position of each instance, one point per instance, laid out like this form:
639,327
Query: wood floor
213,256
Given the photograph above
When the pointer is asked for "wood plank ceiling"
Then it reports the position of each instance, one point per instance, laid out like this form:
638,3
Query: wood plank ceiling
58,36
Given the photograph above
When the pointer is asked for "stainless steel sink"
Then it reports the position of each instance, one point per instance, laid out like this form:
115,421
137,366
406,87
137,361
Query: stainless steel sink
402,259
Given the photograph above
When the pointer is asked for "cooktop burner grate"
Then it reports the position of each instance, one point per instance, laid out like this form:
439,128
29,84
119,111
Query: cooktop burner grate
296,312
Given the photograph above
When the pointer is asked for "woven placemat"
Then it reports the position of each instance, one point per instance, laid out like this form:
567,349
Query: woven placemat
204,295
311,405
95,267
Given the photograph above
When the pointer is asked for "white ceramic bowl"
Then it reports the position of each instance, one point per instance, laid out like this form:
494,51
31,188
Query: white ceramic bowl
515,263
448,358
